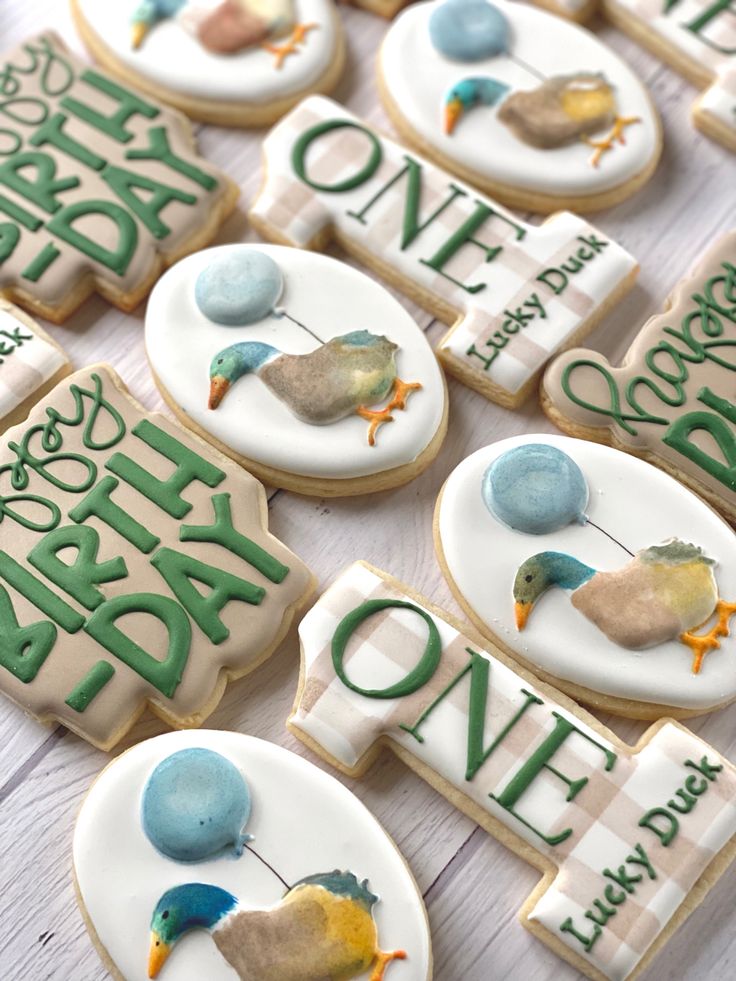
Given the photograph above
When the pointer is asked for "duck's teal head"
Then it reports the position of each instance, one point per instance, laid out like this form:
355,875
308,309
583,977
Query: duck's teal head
468,93
235,361
181,909
537,574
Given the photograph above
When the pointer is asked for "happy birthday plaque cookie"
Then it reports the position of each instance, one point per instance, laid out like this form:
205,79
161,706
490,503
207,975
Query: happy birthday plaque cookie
526,106
596,571
136,568
513,293
305,370
629,839
231,62
31,363
100,187
189,865
671,400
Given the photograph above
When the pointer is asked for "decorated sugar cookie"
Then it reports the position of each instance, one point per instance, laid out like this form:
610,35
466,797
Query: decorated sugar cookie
136,568
524,105
101,187
629,840
233,62
596,571
304,370
513,293
671,400
31,363
698,38
326,897
715,110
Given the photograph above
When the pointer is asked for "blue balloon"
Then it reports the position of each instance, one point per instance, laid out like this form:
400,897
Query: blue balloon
535,488
195,804
468,30
241,286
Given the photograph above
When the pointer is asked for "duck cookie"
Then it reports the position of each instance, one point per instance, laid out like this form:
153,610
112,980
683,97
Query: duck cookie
136,568
188,865
100,188
698,39
671,400
596,571
522,104
31,364
231,62
629,839
513,293
294,364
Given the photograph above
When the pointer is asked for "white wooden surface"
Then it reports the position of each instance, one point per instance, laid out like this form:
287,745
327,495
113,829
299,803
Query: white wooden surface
473,886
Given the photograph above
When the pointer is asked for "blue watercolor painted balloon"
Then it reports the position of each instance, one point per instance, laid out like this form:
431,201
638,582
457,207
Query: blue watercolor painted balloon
195,804
468,30
239,287
535,488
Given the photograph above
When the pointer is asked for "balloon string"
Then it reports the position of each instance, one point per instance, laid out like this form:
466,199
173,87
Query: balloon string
283,882
527,67
282,313
589,522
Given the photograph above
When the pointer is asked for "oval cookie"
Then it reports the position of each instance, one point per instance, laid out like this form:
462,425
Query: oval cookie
542,115
233,62
624,570
261,913
336,391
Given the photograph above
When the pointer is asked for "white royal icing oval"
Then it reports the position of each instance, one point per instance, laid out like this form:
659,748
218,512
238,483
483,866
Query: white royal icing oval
418,78
303,822
329,297
171,56
638,505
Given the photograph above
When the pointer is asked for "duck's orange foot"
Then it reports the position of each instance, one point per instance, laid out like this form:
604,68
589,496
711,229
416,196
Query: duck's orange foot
282,51
376,417
383,959
616,135
701,644
402,391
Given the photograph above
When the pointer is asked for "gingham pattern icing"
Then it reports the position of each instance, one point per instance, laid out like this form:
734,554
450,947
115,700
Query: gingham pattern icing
296,213
604,815
27,361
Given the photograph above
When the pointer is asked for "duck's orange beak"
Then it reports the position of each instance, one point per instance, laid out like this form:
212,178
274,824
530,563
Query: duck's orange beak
218,390
522,611
138,33
453,111
157,955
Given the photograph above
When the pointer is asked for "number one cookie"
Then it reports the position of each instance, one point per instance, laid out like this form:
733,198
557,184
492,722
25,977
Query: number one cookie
514,293
671,400
629,840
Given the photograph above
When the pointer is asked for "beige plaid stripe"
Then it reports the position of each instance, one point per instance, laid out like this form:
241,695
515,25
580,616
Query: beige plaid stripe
299,213
604,816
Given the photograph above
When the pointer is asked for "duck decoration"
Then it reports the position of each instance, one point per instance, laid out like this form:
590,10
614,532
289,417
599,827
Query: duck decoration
228,26
321,930
664,592
195,805
559,111
346,375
